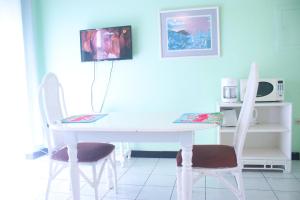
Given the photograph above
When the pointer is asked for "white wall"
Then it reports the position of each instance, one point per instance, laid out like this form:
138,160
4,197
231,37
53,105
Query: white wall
13,87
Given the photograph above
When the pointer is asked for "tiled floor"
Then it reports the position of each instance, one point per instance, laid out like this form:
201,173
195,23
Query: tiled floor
154,179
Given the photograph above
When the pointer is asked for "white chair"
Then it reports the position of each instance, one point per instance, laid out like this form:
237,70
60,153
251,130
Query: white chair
124,153
218,160
52,106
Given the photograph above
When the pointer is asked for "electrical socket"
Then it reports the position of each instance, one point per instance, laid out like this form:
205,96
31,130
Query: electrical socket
298,121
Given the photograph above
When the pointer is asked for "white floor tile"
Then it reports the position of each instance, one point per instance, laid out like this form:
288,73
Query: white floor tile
165,167
290,185
155,179
287,195
85,197
198,194
153,192
213,182
200,183
296,174
278,175
115,198
133,178
295,165
60,186
260,195
89,191
219,194
55,196
140,169
161,180
121,170
256,184
125,192
146,161
252,174
167,170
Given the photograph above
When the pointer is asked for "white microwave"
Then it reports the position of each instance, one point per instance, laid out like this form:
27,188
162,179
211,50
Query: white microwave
268,90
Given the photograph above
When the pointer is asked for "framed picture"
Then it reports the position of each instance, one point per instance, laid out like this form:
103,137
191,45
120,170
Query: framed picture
190,32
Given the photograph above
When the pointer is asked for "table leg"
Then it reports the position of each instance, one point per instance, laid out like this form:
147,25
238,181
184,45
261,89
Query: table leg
74,171
187,174
179,182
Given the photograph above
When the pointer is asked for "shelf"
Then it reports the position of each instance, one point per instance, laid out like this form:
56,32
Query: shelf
264,154
259,128
257,104
268,143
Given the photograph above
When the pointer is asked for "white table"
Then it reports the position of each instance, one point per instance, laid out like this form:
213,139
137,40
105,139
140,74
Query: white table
132,127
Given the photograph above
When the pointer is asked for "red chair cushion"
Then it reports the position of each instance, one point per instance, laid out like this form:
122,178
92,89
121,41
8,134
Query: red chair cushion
211,156
86,152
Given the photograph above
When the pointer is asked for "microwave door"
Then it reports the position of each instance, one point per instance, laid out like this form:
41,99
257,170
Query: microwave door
264,89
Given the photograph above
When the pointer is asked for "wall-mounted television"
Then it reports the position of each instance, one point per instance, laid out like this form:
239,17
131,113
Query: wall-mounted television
113,43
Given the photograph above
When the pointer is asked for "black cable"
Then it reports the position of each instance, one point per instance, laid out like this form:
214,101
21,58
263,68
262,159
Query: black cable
108,84
106,90
93,82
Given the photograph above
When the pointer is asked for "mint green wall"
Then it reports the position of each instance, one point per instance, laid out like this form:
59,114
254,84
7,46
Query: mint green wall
265,31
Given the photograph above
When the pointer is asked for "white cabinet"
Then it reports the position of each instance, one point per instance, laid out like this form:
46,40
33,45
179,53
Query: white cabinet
268,141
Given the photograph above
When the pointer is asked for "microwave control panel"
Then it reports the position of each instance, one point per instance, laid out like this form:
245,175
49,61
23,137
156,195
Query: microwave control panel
280,88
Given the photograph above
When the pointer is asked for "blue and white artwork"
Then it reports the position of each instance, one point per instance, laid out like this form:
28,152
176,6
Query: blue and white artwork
189,33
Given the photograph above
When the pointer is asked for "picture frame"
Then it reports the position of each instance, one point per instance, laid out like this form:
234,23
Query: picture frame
190,32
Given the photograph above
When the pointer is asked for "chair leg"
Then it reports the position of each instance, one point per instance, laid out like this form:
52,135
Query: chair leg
179,182
95,181
109,173
114,169
240,184
128,151
122,154
49,179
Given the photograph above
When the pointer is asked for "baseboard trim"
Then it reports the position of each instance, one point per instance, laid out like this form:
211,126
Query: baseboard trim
36,154
135,153
153,154
172,154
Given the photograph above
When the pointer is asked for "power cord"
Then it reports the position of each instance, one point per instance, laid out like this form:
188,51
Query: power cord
106,90
108,84
93,82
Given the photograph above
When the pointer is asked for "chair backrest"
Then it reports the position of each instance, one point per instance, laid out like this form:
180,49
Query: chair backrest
52,108
246,111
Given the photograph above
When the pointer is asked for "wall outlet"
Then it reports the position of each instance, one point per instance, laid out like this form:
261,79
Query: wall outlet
297,121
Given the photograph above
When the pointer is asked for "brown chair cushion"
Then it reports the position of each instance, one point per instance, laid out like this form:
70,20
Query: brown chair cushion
211,156
86,152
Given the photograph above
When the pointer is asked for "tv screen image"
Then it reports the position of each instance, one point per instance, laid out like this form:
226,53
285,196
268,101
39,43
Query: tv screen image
113,43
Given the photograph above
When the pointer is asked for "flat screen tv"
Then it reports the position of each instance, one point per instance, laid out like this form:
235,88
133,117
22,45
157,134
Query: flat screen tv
113,43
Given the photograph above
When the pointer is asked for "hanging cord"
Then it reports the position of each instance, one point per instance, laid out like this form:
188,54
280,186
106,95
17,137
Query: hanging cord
106,90
108,84
93,82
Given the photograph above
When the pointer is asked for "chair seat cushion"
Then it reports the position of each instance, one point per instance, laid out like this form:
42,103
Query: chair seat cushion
86,152
211,156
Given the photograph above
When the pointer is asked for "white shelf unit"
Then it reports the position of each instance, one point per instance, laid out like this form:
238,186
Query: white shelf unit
268,142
